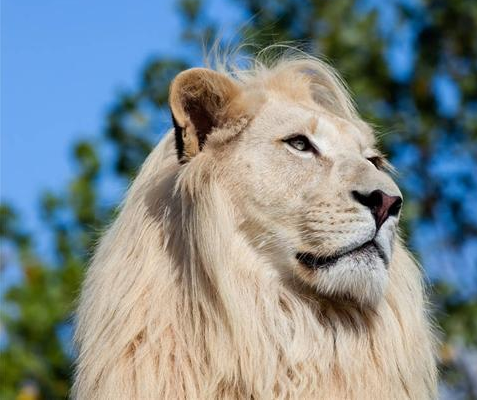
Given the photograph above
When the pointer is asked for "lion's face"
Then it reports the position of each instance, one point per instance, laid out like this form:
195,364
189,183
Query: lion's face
307,184
313,199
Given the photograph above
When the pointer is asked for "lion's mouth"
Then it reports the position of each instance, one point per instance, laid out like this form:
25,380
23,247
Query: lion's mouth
367,250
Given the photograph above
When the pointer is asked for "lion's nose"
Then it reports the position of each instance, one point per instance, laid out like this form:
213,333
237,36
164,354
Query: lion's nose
382,206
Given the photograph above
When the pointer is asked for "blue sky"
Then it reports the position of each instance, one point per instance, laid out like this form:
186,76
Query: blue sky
62,62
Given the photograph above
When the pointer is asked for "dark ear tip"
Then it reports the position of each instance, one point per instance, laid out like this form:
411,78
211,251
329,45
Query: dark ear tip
178,138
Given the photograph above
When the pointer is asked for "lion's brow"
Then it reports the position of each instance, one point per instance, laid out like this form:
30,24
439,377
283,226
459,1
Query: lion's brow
313,124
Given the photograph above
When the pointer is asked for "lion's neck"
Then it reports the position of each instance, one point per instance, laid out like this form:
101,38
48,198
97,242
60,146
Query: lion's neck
303,343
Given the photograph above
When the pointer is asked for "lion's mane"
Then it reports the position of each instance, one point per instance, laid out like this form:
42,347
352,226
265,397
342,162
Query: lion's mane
176,304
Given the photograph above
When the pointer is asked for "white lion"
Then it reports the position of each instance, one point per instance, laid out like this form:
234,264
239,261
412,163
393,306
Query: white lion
256,254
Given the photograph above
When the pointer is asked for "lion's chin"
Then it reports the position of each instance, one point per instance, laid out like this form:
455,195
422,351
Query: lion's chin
364,253
358,276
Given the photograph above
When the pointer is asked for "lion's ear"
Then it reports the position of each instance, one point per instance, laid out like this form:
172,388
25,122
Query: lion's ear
200,100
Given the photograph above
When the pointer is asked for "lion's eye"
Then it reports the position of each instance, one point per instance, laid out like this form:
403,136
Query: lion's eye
300,143
376,161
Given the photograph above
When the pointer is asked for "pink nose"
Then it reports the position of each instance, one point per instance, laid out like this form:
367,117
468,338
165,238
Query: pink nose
382,206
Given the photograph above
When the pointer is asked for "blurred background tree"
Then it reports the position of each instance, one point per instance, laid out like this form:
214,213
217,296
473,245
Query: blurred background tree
412,68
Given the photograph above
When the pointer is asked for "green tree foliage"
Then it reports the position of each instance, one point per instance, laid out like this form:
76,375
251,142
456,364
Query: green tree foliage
425,128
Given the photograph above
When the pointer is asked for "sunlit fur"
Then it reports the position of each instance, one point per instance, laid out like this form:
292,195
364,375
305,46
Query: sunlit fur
179,302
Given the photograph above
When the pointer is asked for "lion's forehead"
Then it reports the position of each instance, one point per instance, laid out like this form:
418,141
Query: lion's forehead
306,117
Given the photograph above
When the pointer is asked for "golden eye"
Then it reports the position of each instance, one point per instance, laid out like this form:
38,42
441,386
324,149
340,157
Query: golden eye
299,142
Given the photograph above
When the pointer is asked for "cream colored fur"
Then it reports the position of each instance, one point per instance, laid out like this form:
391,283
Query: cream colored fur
194,291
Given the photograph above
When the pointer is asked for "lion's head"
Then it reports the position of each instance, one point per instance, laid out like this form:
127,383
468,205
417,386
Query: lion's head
310,189
254,259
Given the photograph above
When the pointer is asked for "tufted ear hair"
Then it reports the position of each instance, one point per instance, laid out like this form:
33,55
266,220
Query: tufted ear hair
200,100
